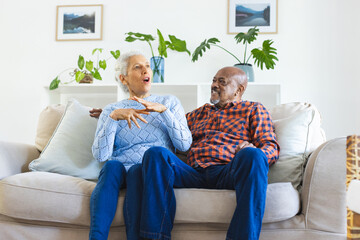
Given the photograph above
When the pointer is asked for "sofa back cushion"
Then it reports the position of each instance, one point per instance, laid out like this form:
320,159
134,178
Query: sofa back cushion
48,120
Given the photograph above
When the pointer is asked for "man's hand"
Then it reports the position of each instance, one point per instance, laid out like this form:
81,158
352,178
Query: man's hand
181,152
129,115
95,112
242,145
150,106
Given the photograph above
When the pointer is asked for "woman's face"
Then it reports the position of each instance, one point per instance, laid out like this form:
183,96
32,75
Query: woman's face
138,79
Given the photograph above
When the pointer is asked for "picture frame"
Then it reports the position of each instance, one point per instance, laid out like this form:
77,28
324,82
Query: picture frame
79,22
245,14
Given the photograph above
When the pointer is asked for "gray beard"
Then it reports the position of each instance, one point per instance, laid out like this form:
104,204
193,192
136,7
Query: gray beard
214,101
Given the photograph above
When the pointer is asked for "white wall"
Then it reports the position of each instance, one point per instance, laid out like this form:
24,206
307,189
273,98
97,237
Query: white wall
317,44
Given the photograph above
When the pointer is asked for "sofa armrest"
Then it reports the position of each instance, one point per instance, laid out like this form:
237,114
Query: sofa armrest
324,191
15,157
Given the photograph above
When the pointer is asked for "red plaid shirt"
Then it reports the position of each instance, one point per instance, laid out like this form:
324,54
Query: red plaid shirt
216,131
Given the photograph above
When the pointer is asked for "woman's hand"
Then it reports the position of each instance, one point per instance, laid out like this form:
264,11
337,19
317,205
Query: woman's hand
129,115
150,106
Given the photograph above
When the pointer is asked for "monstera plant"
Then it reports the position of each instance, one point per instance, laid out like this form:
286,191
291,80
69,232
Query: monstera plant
86,70
157,61
262,56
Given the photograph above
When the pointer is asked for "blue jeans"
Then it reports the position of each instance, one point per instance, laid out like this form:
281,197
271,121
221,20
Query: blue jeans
104,199
162,171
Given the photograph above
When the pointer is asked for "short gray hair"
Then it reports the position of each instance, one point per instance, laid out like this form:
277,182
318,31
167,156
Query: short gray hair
122,64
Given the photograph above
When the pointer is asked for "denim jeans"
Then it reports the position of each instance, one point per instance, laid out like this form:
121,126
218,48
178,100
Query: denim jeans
162,171
104,199
132,203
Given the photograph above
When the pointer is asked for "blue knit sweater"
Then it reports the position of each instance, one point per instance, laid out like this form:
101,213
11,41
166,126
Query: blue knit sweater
114,140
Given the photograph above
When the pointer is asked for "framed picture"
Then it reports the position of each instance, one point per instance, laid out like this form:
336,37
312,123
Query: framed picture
245,14
79,22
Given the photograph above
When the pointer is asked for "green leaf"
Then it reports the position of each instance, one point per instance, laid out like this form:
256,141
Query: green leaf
130,39
115,54
79,76
89,65
248,37
162,45
169,45
213,40
97,49
265,56
81,62
54,83
202,48
178,44
102,64
138,36
96,74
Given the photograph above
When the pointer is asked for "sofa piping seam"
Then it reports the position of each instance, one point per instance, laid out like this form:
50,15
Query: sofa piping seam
43,190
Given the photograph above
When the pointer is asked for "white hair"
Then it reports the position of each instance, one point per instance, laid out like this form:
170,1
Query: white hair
122,64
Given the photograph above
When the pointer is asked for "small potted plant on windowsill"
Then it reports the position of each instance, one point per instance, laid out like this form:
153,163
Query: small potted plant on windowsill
86,70
262,56
157,62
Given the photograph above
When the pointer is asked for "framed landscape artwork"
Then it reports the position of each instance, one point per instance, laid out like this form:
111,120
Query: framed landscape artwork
245,14
79,22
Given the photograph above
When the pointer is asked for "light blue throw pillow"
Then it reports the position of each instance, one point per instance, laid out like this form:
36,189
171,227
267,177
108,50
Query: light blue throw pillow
68,151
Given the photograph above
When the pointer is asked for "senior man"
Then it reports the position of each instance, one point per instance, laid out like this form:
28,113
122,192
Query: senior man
233,146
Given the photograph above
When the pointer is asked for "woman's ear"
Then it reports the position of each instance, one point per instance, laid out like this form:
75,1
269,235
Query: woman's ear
122,79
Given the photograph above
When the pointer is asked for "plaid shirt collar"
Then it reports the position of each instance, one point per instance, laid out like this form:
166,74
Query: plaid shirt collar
228,105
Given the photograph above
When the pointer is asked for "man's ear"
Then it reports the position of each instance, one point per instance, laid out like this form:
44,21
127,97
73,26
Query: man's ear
240,91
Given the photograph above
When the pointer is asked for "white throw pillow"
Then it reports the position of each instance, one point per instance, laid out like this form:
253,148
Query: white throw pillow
292,133
69,149
286,112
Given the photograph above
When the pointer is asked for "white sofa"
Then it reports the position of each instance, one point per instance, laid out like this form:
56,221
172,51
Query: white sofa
48,205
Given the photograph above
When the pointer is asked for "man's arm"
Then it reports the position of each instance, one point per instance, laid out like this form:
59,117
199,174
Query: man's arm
262,133
95,112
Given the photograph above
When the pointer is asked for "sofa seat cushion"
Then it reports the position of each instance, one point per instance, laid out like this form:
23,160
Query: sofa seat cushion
51,197
218,206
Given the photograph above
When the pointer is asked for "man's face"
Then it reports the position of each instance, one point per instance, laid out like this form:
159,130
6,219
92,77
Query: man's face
223,88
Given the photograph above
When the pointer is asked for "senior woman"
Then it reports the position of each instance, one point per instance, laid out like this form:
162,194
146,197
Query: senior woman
158,120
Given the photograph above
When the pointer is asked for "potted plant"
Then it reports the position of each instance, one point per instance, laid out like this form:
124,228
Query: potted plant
266,55
86,70
157,62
